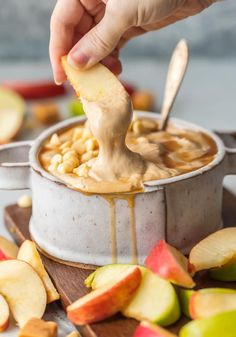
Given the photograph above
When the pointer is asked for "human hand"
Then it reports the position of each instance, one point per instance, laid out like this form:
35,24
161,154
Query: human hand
95,30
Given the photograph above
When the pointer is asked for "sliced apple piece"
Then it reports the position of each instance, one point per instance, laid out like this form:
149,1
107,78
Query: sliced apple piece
155,300
94,83
221,325
184,298
12,109
4,314
8,249
29,253
107,300
170,264
225,273
215,250
204,305
147,329
23,290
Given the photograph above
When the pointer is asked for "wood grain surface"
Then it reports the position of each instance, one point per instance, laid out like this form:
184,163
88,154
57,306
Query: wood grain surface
69,280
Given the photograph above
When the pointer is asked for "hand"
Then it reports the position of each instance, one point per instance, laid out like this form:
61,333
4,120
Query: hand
95,30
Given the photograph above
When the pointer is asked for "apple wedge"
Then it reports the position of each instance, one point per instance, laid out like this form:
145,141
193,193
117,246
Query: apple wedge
203,305
225,273
147,329
155,300
184,299
8,249
4,314
94,83
28,253
23,290
221,325
107,300
215,250
12,109
170,264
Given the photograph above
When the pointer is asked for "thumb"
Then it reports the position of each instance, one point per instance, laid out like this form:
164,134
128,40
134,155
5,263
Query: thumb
99,42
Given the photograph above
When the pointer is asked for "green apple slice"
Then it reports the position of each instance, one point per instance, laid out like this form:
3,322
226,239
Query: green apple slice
204,305
155,300
221,325
184,298
215,250
225,273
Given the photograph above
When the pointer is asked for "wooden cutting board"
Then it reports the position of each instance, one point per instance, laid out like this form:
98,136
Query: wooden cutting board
69,280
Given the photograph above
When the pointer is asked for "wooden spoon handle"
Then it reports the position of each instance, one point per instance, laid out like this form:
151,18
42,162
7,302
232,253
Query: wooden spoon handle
175,75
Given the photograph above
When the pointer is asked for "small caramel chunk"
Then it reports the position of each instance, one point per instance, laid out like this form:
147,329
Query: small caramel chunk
46,113
36,327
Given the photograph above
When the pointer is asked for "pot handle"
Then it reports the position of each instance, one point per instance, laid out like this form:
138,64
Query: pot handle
15,166
229,139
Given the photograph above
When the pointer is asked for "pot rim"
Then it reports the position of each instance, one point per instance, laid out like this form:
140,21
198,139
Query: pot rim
34,162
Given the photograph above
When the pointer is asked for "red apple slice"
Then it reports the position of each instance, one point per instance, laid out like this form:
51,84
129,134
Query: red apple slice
147,329
8,250
12,109
107,300
23,290
28,253
4,314
170,264
203,305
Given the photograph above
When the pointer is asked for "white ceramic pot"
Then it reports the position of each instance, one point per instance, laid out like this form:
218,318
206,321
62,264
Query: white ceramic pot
75,227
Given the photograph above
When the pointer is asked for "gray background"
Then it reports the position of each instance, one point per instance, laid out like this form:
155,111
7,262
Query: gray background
24,32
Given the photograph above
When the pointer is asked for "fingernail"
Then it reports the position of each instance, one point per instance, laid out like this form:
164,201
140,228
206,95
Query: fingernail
77,59
58,82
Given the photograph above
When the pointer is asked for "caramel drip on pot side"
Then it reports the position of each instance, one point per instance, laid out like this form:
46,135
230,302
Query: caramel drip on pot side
132,224
112,206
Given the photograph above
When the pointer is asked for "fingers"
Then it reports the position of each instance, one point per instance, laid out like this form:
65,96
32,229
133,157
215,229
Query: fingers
65,18
102,39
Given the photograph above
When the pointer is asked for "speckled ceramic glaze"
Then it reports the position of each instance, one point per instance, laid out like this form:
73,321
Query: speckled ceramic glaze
75,227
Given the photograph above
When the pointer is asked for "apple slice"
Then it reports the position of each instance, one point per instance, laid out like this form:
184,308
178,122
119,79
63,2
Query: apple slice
184,298
204,305
107,300
170,264
4,314
28,253
12,109
94,83
221,325
23,290
155,300
225,273
215,250
8,249
147,329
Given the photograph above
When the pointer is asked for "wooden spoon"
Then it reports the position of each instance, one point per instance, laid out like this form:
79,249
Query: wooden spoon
175,75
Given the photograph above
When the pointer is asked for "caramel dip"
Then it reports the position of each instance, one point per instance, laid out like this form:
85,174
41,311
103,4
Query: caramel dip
113,153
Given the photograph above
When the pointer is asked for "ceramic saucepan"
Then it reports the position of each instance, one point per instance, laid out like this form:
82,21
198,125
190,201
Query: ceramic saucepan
95,229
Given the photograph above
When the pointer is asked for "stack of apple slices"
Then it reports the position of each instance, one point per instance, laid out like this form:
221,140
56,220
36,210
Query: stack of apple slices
22,274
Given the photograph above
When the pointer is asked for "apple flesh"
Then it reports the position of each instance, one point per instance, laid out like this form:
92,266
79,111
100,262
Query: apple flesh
147,329
4,314
214,251
226,273
221,325
29,253
23,290
204,305
184,298
8,250
170,264
12,108
155,300
107,300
